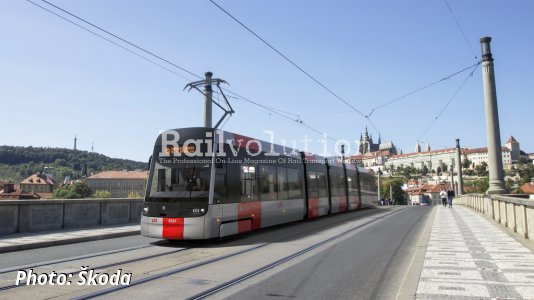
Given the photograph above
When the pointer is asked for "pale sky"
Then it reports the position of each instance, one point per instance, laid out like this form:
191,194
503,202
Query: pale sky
58,80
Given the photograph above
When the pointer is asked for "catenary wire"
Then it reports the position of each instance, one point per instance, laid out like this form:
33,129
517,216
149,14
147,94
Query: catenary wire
110,41
289,60
269,109
461,30
422,88
449,102
119,38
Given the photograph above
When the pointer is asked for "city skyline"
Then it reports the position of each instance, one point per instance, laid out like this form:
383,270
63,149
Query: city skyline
71,82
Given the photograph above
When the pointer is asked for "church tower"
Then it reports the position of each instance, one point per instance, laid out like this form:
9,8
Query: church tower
365,145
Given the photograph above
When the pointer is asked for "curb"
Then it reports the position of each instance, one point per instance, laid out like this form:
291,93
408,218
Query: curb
44,244
413,273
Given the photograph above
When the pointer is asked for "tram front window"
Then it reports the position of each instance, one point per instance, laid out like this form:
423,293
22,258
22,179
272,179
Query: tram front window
180,181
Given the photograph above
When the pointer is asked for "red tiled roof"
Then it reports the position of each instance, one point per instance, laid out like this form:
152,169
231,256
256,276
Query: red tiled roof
373,154
424,153
120,175
428,188
483,150
512,140
38,179
18,194
528,188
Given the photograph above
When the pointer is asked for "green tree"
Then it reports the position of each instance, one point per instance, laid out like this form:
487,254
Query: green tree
65,192
509,185
424,171
466,162
526,172
482,185
134,195
399,196
102,194
76,190
81,188
482,169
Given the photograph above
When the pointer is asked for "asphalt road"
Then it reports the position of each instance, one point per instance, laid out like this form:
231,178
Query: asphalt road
370,262
369,265
27,257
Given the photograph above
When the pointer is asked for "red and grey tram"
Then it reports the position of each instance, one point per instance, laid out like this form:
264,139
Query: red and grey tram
205,183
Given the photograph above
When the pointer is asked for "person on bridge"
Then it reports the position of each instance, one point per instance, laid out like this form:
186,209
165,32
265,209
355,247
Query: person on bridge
443,196
450,197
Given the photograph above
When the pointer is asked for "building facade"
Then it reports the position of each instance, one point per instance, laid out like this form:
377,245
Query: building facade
431,159
119,183
437,158
38,183
480,155
373,155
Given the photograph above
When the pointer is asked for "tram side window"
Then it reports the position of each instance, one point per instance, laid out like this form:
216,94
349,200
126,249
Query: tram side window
313,189
341,184
353,185
161,180
283,188
321,184
368,183
220,188
333,184
248,183
294,184
268,185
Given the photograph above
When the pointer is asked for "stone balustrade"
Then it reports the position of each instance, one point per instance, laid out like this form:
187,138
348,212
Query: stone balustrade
513,213
41,215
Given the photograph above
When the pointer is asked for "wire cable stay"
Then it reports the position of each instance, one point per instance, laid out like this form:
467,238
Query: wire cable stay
270,110
461,30
422,88
289,60
449,102
119,38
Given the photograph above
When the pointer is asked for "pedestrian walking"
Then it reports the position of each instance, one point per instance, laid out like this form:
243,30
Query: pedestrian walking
443,196
450,197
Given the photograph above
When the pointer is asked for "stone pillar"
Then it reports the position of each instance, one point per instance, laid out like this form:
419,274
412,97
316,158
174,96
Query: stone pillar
493,134
460,175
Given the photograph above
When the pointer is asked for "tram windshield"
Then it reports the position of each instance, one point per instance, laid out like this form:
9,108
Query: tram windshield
184,180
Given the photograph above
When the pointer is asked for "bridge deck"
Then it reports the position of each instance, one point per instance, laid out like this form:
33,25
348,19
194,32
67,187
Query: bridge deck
470,257
32,240
466,256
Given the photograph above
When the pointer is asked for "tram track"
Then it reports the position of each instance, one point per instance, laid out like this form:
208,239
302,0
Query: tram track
58,261
265,268
246,276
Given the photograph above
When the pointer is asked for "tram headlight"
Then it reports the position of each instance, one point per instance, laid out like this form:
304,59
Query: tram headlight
145,210
198,210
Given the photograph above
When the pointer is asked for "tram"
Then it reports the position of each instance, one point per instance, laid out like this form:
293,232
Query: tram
205,183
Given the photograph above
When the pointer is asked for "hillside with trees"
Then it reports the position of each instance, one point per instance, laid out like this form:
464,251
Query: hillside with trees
17,163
